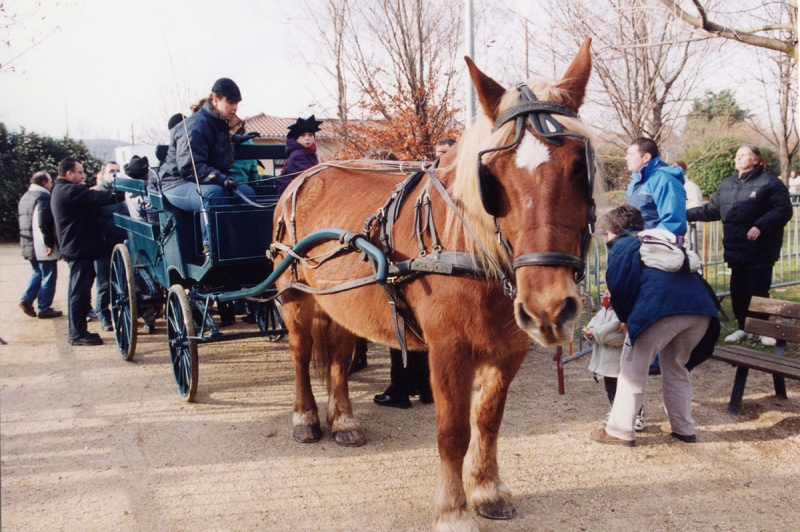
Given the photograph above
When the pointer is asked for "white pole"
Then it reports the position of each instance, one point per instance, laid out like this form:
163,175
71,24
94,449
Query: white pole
469,38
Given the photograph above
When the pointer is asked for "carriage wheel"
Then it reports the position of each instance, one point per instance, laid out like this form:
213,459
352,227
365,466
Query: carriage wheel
122,287
182,345
269,316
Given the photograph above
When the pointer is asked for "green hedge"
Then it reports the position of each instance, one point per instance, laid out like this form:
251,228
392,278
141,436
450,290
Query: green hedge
711,161
21,155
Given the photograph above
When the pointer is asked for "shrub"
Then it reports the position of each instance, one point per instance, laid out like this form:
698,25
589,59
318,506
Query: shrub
711,161
21,155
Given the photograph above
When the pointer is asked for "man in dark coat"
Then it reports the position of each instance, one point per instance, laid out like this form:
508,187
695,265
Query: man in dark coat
75,210
301,150
754,207
38,241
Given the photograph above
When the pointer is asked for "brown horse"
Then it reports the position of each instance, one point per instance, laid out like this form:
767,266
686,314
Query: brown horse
475,335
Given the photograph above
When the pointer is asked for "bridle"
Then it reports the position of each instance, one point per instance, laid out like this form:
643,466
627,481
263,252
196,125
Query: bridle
539,115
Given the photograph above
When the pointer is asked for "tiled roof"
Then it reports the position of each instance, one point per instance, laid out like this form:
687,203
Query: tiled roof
274,127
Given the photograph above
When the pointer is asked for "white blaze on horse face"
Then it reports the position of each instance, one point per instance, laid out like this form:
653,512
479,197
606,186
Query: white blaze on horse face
531,152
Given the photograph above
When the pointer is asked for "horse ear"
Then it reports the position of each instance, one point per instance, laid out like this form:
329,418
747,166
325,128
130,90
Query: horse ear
577,76
489,91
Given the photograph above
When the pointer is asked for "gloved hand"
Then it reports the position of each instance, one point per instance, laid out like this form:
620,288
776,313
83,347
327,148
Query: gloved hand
238,139
229,184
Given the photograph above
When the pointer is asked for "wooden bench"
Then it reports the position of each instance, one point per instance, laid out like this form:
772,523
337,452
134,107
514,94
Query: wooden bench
781,326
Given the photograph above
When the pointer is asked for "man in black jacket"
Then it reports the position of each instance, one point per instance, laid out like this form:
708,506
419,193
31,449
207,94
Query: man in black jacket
754,207
75,210
38,242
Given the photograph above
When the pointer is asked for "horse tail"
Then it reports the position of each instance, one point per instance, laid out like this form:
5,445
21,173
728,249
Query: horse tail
321,352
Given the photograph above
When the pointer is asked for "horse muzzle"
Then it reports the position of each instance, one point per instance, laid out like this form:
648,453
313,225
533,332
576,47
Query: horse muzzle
551,323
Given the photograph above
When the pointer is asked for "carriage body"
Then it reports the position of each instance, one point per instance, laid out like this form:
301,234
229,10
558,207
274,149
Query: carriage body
163,263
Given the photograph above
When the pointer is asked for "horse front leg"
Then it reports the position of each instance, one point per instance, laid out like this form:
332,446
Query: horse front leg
345,428
451,378
487,494
298,313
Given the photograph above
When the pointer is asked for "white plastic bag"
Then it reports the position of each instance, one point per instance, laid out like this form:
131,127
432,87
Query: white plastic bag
659,249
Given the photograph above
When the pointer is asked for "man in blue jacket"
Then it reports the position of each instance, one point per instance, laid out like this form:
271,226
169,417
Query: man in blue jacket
656,188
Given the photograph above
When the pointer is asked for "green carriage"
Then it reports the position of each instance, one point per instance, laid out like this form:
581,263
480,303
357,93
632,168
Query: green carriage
163,263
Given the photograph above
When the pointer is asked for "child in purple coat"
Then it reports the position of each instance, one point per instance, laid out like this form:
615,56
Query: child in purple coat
301,150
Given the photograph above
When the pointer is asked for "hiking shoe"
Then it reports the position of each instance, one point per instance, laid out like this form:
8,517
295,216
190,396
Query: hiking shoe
86,340
27,307
601,436
735,337
50,313
667,429
767,341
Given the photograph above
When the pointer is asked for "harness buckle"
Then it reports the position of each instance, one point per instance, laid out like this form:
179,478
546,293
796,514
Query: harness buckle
509,290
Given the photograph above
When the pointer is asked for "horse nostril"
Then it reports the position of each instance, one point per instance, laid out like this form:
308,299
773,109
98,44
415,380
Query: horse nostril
524,319
569,311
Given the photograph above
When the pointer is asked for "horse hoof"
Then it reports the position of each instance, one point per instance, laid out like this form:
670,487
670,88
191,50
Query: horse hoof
349,438
498,510
306,434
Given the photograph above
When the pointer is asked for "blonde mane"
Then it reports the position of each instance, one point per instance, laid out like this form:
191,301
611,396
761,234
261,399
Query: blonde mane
478,137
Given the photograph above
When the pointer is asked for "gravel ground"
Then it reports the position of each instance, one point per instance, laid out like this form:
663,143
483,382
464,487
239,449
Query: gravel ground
91,442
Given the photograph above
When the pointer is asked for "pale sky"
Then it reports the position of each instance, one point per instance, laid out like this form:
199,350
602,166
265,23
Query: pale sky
114,63
109,65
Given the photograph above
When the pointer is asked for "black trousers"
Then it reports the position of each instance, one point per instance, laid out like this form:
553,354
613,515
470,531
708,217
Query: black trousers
610,384
102,299
412,379
748,281
81,277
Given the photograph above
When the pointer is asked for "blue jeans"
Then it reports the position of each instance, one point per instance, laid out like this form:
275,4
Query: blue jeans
81,277
102,298
185,197
42,285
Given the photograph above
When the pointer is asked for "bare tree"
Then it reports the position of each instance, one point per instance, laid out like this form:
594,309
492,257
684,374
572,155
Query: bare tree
402,60
391,64
780,98
329,22
24,26
647,67
773,27
786,43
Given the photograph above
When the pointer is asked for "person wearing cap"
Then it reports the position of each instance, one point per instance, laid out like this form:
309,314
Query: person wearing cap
200,155
301,150
138,207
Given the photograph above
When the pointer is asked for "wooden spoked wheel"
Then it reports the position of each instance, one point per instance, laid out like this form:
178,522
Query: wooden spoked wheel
124,307
182,343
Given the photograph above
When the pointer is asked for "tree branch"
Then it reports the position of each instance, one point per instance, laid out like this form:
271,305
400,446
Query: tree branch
718,30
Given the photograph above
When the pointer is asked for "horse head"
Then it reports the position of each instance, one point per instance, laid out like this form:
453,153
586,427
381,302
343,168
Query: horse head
534,184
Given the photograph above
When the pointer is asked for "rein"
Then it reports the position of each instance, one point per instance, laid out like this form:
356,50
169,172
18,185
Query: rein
539,115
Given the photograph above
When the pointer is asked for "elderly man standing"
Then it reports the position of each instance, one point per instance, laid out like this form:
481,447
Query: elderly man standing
38,241
75,210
